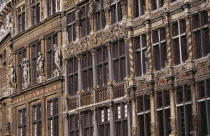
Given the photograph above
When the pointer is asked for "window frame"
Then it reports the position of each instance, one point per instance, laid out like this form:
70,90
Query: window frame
165,109
22,122
35,12
52,117
118,57
160,43
139,8
179,36
37,119
100,15
116,11
71,26
103,65
144,112
87,71
121,118
84,21
142,49
200,29
73,73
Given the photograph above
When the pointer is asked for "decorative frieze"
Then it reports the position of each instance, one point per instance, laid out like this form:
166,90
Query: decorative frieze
102,37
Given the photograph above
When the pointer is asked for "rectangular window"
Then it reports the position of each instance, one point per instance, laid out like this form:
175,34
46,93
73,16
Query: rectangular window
51,40
71,28
102,66
20,55
52,108
87,123
163,113
143,113
21,22
35,49
121,124
100,15
139,8
179,42
157,4
200,34
116,11
51,7
184,110
87,71
104,121
140,54
159,48
203,88
73,76
84,20
22,122
35,12
37,124
73,125
119,65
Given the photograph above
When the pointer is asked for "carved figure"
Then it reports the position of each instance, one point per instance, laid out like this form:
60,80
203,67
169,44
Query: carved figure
57,52
91,9
12,76
40,64
25,65
9,22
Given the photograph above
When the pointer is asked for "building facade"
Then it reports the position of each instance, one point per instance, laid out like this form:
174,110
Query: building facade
105,68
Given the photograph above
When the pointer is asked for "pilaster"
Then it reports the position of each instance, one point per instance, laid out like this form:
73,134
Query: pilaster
95,125
130,9
79,73
107,12
152,114
112,124
93,52
43,116
173,113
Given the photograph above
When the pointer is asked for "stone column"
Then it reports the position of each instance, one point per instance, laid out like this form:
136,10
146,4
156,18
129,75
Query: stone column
77,23
152,113
130,9
44,115
131,65
93,52
194,108
107,12
148,6
129,114
79,73
111,78
80,125
173,113
60,38
28,119
14,121
66,124
149,65
112,120
95,124
134,117
124,10
91,16
189,35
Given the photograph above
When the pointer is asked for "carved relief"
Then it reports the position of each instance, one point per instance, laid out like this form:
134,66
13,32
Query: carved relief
160,79
202,69
180,74
91,41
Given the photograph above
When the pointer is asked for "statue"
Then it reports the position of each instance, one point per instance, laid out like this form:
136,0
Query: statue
91,8
40,64
25,65
9,22
57,52
12,77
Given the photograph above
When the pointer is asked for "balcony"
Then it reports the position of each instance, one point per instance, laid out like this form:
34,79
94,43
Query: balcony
4,4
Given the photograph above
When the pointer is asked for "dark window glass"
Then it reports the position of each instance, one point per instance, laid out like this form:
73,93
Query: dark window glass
73,76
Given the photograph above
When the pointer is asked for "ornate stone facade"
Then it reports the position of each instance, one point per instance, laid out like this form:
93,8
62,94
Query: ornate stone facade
105,68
